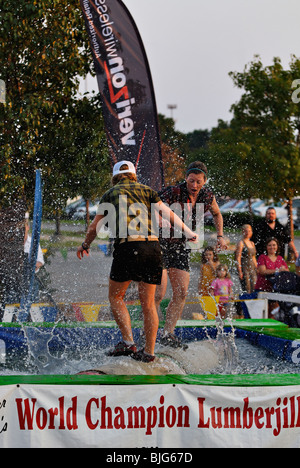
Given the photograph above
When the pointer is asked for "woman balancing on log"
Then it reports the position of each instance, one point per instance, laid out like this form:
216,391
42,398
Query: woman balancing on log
189,196
137,253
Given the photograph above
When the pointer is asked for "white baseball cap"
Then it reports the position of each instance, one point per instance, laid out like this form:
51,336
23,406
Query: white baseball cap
117,168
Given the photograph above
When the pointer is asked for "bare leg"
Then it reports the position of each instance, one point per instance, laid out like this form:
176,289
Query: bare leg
161,289
151,322
120,312
180,282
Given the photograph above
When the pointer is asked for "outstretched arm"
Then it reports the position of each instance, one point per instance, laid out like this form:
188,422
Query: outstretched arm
90,236
168,214
218,222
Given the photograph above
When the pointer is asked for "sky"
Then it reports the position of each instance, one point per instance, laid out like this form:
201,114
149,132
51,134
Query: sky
192,45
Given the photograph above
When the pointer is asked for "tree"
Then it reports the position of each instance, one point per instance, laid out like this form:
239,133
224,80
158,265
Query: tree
81,163
258,153
227,158
43,51
91,172
174,150
197,142
269,121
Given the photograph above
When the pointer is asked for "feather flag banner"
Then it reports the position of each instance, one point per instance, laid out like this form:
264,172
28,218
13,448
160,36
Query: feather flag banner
126,88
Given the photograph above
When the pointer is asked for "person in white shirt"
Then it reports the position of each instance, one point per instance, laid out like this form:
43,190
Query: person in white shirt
27,244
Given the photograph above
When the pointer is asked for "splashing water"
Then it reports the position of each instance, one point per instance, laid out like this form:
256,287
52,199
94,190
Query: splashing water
201,357
40,356
225,343
223,355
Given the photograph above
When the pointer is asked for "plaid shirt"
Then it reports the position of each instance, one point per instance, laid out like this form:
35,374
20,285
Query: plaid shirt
179,194
132,204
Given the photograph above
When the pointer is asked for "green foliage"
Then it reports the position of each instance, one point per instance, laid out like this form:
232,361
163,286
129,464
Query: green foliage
174,149
81,162
257,153
268,122
197,142
237,220
44,50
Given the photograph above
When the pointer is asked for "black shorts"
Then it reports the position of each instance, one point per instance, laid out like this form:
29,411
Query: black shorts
175,255
137,261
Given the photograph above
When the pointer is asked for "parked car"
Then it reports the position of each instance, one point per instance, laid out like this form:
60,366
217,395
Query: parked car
80,213
243,205
256,204
228,206
240,207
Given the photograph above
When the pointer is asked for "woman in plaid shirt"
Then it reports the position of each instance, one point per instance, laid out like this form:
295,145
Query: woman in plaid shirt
137,253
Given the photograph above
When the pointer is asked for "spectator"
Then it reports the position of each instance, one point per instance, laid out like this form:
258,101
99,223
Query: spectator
34,288
208,266
246,260
222,286
27,244
269,264
271,227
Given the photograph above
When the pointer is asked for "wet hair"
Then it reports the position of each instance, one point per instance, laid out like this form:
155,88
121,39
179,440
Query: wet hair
197,167
221,267
209,249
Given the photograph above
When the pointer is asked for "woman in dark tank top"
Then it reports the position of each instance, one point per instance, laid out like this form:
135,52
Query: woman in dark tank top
246,260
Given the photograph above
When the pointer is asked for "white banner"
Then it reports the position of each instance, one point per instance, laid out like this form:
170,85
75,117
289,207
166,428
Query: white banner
136,416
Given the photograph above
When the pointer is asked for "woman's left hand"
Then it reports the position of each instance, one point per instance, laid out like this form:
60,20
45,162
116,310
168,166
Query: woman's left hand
221,244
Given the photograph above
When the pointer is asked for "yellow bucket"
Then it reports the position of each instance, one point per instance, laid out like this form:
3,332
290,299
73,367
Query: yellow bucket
209,305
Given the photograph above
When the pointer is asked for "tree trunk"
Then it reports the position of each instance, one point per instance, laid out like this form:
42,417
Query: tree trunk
57,224
250,206
291,219
291,227
87,215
